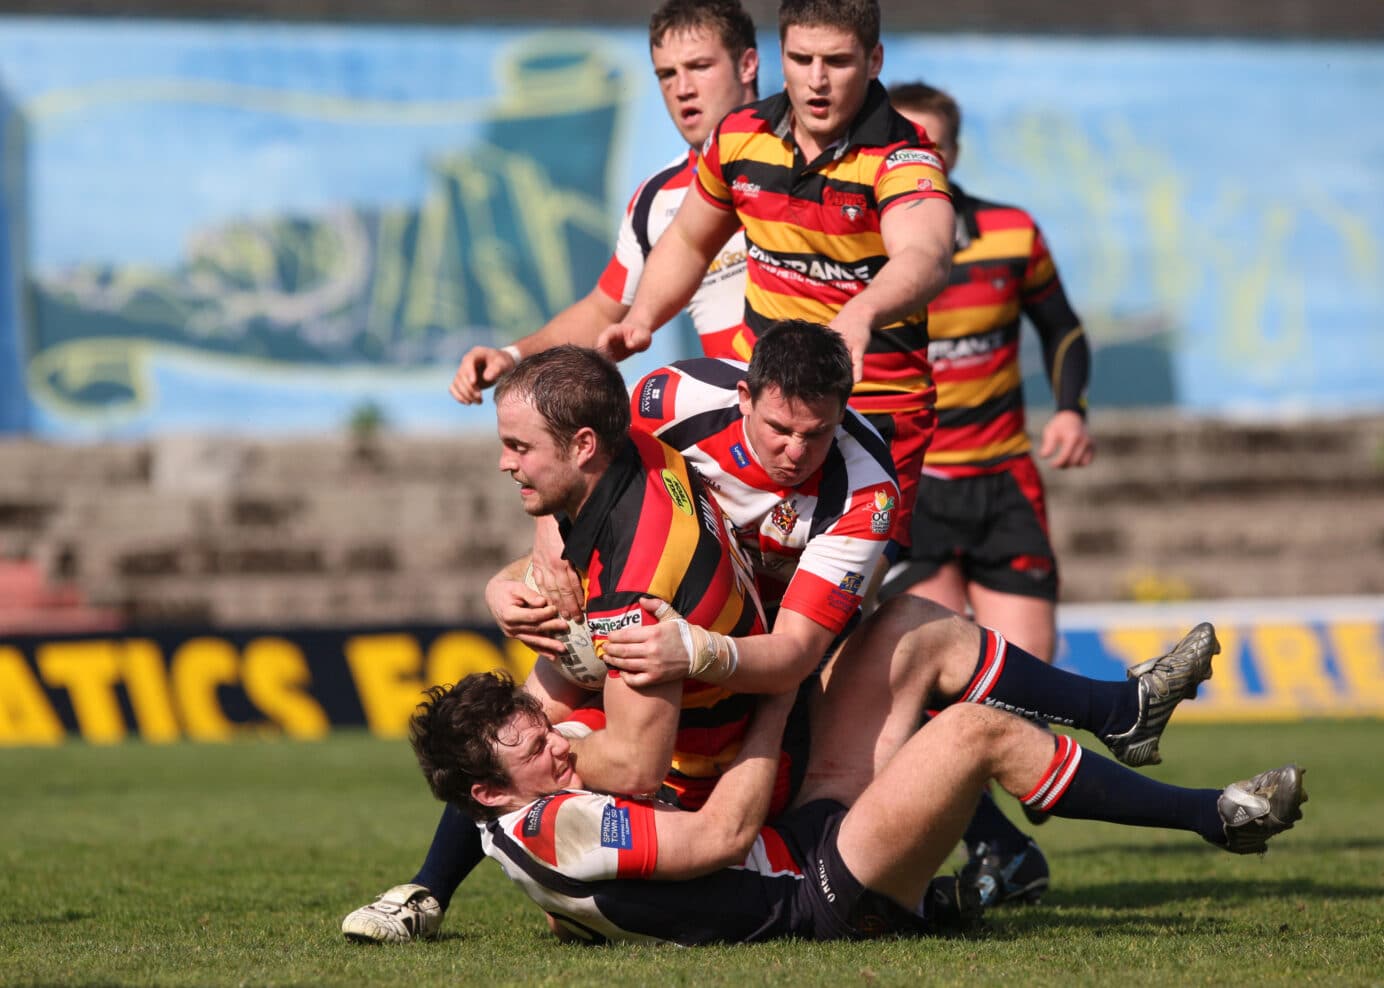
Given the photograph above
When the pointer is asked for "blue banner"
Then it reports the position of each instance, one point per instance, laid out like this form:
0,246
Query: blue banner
267,228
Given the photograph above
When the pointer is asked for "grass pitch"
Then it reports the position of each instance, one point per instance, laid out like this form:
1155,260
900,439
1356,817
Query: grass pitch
233,864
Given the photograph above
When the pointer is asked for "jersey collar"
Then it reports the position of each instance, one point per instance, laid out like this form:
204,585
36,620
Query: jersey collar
579,534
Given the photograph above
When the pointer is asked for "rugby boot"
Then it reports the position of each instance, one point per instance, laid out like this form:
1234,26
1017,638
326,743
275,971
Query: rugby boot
952,906
1258,808
404,913
1001,875
1163,684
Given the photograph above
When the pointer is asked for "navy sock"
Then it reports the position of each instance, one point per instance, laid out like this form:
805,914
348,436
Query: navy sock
455,850
991,826
1009,678
1084,786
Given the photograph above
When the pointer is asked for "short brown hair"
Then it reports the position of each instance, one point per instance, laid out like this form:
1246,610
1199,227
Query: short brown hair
455,732
860,17
803,360
922,98
573,388
725,18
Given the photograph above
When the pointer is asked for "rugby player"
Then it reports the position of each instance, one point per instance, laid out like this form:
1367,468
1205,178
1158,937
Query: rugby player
638,524
840,865
847,219
706,61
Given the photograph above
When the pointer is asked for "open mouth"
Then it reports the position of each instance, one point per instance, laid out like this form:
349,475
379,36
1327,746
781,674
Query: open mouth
819,106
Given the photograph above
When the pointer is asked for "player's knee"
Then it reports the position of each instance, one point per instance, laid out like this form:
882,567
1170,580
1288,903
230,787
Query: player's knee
974,728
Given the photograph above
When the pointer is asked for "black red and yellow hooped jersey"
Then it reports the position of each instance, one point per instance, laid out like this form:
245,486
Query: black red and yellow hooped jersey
650,528
813,227
814,546
1001,270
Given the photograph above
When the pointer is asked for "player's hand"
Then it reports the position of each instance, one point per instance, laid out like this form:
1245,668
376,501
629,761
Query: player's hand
856,332
624,339
555,576
480,368
650,653
1065,441
525,615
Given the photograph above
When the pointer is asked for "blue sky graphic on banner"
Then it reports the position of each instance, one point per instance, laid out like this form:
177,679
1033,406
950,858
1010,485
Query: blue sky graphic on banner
261,227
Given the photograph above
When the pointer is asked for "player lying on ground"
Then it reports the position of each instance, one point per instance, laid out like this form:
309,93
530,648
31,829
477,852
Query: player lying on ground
821,871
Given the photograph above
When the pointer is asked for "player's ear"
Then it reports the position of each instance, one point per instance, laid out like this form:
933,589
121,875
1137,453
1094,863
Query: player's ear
488,795
749,66
746,401
876,61
585,445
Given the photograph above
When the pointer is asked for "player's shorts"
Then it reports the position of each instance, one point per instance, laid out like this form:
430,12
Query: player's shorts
908,435
830,903
995,525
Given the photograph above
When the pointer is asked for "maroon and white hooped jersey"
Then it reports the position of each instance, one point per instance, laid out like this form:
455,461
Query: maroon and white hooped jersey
813,547
585,858
718,307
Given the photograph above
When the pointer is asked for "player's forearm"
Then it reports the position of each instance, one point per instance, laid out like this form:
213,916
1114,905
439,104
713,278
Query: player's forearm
905,285
608,764
773,662
580,323
635,751
736,809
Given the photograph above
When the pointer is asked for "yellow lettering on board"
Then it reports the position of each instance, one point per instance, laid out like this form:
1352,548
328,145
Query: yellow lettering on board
1291,665
89,671
386,672
457,654
146,680
1359,649
198,668
26,716
274,674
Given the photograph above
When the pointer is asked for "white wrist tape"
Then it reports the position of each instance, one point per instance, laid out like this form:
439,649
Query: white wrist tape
513,352
711,657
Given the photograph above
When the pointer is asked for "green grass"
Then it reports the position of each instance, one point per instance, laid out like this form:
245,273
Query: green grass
212,864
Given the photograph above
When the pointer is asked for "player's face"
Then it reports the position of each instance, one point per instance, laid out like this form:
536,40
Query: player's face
700,81
827,73
537,759
547,474
789,436
938,129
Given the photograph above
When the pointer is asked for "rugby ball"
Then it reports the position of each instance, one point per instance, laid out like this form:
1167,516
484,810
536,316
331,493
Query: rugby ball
579,664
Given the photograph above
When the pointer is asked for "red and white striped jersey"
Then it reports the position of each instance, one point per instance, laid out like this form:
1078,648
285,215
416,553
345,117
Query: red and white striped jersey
581,857
718,307
813,547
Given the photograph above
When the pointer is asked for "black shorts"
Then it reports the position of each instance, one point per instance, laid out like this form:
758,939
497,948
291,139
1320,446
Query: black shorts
829,903
995,525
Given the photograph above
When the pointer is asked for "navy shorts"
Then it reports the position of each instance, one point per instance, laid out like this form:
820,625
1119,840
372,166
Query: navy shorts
829,903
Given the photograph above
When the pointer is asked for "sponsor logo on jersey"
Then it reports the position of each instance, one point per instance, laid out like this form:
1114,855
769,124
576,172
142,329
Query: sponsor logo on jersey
924,185
677,492
738,454
651,396
980,345
913,156
881,517
852,582
835,197
533,817
784,517
817,268
615,828
744,187
601,627
851,213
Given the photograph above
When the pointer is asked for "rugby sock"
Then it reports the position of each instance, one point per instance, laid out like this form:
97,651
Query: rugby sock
991,826
1081,785
455,850
1009,678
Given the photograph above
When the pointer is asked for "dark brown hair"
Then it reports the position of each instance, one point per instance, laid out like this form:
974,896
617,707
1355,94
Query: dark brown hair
455,733
572,388
724,18
803,360
860,17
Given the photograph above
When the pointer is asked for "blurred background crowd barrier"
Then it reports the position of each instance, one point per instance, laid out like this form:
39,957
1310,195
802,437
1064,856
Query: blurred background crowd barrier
241,260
